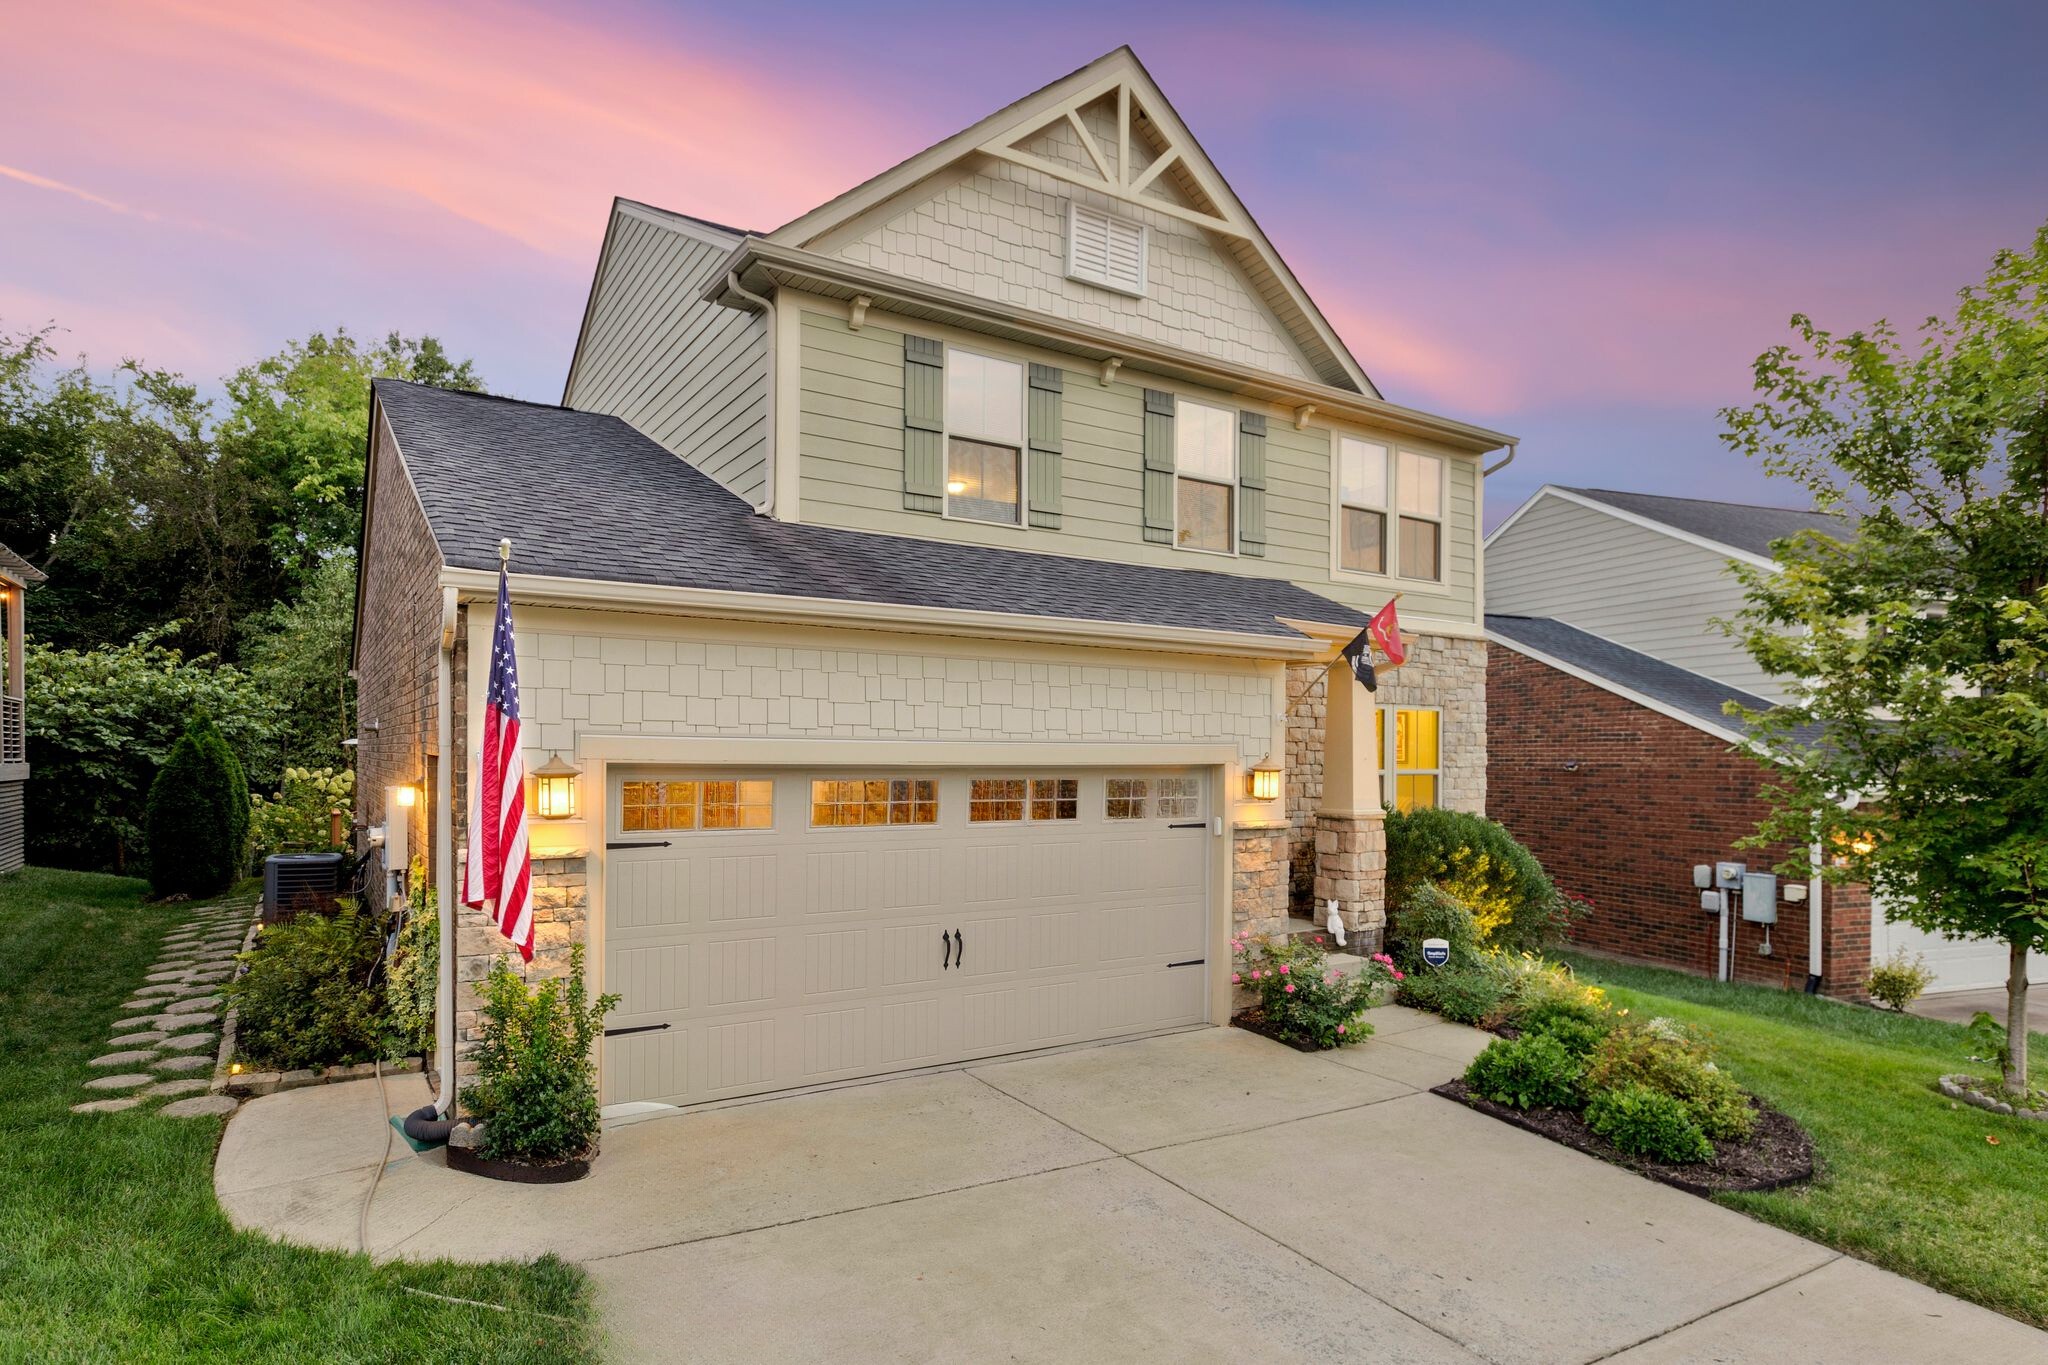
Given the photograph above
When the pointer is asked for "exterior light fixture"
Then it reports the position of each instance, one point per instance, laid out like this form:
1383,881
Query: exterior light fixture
406,796
956,487
554,788
1262,783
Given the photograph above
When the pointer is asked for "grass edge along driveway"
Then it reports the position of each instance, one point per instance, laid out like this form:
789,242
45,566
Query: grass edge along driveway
111,1244
1949,1195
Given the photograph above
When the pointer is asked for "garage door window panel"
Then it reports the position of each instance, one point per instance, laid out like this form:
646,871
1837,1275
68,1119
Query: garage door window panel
739,803
1055,798
650,805
858,802
995,800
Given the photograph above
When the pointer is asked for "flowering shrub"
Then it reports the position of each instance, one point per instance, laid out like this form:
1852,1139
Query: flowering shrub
1303,999
297,819
1899,980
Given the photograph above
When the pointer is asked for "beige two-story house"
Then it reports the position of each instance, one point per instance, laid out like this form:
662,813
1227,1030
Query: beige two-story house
931,601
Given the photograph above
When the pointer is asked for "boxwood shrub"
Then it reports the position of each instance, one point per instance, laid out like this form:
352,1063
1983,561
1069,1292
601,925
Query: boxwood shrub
1531,1072
1482,865
1646,1122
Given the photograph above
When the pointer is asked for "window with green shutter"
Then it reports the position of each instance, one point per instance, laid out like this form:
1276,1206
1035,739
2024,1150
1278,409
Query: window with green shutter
1047,442
924,424
1251,483
1159,411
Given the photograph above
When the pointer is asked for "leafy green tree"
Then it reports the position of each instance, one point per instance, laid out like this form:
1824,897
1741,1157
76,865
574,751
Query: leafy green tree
1919,642
193,816
100,724
300,421
298,652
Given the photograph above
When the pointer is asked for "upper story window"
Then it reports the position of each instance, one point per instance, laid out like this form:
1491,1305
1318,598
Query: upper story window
1361,505
1205,477
1420,483
984,437
1105,250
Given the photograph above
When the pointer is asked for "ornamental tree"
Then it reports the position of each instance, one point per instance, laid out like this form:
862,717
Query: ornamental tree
1914,647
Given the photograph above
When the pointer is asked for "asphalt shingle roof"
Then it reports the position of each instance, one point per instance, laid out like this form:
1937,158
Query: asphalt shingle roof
1695,694
1734,524
585,495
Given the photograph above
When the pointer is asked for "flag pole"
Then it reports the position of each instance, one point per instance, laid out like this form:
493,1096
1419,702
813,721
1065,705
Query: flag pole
505,552
1327,667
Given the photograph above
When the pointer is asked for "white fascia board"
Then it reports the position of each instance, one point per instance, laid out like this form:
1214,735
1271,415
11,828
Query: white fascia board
1726,551
1625,693
608,595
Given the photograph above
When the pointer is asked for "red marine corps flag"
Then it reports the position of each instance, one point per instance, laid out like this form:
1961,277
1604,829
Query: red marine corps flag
1383,633
498,872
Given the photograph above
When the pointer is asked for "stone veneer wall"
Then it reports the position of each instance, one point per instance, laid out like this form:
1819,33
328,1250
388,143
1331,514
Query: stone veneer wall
1442,671
1258,891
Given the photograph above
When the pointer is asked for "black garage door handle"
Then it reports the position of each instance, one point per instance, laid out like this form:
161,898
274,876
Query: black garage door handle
959,949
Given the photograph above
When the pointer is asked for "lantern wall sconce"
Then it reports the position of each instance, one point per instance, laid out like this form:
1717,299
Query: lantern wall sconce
554,788
1262,783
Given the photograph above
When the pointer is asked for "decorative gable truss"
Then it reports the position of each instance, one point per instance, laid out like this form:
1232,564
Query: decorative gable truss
1129,155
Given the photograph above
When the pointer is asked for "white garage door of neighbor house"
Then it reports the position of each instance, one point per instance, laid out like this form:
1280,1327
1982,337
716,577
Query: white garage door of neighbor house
777,928
1959,964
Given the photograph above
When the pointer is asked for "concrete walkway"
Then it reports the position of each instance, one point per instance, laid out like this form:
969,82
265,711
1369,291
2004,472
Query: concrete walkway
1960,1007
1205,1195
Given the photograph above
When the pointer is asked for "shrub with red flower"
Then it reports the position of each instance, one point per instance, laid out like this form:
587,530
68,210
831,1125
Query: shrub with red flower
1302,998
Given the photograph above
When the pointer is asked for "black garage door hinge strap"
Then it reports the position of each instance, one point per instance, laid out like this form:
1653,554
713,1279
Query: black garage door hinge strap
637,1028
1191,962
651,843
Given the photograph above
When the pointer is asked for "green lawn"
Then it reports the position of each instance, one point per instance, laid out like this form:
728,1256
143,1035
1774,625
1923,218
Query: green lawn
1909,1181
111,1245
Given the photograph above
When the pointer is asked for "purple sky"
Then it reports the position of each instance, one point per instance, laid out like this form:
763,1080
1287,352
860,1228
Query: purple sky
1579,227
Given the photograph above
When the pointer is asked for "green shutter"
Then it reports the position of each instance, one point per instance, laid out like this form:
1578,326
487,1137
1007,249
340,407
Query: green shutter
924,424
1251,483
1159,466
1043,422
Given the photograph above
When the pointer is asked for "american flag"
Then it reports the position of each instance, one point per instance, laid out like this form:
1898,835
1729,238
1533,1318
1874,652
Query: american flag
498,872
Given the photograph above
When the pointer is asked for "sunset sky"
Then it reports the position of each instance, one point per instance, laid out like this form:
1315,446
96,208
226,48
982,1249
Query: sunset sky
1576,223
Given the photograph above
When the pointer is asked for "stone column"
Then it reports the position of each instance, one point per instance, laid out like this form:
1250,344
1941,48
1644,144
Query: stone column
1351,843
561,900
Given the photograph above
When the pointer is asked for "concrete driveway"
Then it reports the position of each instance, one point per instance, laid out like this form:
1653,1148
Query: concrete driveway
1205,1195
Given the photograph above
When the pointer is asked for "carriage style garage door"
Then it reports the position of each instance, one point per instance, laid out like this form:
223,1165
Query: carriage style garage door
777,928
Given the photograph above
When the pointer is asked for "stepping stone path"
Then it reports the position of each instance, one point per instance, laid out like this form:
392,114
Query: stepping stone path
162,1049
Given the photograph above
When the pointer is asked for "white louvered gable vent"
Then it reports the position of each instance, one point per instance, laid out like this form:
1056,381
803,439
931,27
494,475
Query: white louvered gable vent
1105,250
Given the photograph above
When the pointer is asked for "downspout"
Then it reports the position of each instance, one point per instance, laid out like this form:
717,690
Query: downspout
444,851
1503,462
767,307
1814,920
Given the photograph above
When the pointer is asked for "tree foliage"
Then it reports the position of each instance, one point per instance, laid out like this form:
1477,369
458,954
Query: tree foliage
101,722
1914,647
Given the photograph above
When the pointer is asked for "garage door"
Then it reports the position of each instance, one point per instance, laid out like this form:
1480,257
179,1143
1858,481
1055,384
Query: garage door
771,929
1959,964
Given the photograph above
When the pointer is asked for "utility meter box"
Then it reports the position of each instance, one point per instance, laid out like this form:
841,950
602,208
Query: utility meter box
1728,876
1703,875
1710,901
1759,898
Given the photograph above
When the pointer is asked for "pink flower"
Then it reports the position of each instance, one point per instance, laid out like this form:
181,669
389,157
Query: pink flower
1340,1030
1319,938
1236,980
1284,969
1255,976
1400,976
1290,988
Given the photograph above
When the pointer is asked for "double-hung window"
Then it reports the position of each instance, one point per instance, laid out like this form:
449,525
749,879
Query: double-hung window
1361,505
984,437
1420,483
1205,477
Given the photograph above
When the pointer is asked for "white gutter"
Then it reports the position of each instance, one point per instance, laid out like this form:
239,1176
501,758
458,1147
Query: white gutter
444,853
767,307
609,594
1503,462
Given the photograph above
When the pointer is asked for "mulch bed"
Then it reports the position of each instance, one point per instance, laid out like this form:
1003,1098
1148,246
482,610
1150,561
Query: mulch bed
1254,1020
1779,1153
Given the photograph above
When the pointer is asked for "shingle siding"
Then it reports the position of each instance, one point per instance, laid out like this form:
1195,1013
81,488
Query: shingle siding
691,375
399,633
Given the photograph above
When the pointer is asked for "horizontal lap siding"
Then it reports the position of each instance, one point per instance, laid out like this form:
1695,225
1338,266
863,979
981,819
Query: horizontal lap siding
852,476
13,827
688,374
1626,583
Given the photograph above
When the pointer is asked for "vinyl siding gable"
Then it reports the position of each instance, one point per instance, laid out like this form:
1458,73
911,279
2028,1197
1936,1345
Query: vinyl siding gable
689,374
851,473
1625,582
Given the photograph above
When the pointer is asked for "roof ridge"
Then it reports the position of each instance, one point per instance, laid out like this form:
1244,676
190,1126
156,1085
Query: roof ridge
481,393
1706,502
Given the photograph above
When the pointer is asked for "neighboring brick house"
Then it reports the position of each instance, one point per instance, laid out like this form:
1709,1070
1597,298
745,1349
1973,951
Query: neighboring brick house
937,568
1622,774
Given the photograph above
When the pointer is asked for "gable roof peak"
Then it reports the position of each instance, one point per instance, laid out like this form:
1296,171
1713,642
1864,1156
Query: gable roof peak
1151,162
